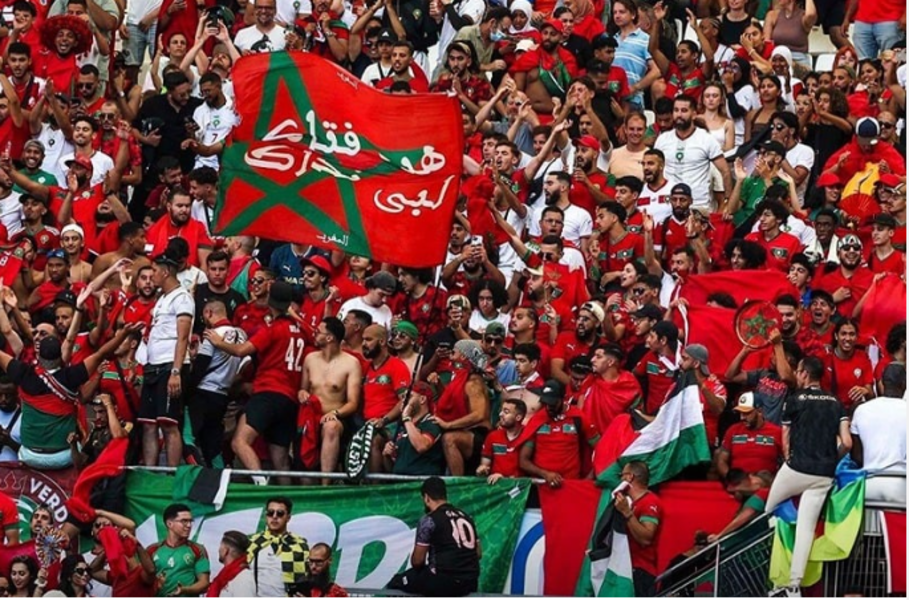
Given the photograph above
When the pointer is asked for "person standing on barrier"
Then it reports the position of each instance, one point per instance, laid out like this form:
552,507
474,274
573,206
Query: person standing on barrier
446,556
276,556
815,437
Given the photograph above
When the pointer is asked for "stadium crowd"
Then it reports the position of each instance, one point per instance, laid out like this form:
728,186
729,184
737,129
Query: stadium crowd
611,153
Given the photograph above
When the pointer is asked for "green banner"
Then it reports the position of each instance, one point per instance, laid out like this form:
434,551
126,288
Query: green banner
371,527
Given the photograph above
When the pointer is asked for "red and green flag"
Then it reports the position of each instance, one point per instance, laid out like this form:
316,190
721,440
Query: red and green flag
322,158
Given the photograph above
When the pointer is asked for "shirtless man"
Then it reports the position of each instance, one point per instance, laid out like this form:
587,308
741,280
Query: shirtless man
72,240
132,246
335,377
527,76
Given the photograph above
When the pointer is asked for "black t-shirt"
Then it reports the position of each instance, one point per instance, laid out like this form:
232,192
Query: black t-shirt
451,536
814,418
731,31
231,299
173,131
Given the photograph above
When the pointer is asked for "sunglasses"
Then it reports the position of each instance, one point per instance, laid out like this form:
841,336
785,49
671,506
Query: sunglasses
779,126
257,280
887,125
493,340
106,116
85,86
637,291
80,570
310,273
547,256
851,247
275,513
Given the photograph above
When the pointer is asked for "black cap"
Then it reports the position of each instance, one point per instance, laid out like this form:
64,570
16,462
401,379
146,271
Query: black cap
580,364
387,35
280,295
884,220
648,311
773,146
65,297
50,349
552,393
166,258
681,188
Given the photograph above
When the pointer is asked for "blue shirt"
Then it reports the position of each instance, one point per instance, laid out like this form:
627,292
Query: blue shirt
286,265
632,55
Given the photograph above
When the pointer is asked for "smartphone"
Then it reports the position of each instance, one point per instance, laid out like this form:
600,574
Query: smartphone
476,240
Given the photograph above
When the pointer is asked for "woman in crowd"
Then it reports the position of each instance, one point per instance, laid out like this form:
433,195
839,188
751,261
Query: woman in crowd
714,117
770,92
488,297
75,578
788,24
23,578
828,127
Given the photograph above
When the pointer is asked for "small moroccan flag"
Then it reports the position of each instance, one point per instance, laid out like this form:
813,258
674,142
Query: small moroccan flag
321,158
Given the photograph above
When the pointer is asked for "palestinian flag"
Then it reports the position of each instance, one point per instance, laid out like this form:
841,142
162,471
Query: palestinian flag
840,526
606,572
674,440
319,157
202,489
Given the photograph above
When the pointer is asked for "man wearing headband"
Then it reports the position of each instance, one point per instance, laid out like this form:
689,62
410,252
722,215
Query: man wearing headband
403,342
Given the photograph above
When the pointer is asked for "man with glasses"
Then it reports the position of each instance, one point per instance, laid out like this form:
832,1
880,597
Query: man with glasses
851,279
403,342
320,573
799,158
493,343
892,198
318,302
887,121
265,35
109,142
181,564
378,45
254,315
277,557
89,89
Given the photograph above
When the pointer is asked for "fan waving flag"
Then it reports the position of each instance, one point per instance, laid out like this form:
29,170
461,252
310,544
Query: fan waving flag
321,158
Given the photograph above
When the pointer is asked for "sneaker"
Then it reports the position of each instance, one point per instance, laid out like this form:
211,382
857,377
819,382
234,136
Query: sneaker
792,591
259,480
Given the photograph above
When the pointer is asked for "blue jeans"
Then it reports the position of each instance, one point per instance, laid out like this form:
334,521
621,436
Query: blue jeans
871,38
137,43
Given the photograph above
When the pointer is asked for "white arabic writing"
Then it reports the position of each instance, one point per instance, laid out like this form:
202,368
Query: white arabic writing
395,202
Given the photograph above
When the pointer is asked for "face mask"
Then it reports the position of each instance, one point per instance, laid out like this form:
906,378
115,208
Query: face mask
497,36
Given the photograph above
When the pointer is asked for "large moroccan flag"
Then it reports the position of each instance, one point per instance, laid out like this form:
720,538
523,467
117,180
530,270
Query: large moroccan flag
321,158
760,284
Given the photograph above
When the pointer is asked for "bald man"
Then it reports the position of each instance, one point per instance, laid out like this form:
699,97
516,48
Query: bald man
335,377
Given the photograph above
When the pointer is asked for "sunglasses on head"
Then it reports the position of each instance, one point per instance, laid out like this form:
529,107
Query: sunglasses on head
275,513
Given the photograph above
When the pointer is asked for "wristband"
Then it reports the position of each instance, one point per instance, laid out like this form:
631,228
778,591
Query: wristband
174,372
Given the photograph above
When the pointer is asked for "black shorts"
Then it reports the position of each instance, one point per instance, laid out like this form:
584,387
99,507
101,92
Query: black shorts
479,436
273,416
830,13
155,405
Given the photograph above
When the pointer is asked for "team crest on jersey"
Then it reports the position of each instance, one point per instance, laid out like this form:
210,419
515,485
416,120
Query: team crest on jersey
780,252
43,238
857,372
383,379
425,308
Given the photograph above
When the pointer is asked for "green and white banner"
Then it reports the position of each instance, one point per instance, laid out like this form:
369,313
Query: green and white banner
371,528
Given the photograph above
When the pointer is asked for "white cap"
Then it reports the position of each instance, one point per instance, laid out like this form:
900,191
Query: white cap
745,403
73,227
525,45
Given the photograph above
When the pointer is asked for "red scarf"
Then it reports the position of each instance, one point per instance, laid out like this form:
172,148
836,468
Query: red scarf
226,575
117,550
452,404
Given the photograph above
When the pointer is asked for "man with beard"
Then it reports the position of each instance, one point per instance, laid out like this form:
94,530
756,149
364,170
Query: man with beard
504,371
318,301
612,247
610,389
580,341
34,224
507,156
53,282
823,250
385,386
779,245
689,151
590,186
109,142
178,223
214,119
89,90
524,328
160,125
203,187
10,438
84,130
404,69
32,159
793,328
463,76
848,281
657,189
423,304
462,410
500,454
552,223
327,34
892,197
438,348
578,225
254,315
320,574
403,342
138,307
554,443
546,72
335,378
264,35
216,288
132,246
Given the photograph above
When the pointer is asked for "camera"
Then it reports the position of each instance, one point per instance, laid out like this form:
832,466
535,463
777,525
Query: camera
218,14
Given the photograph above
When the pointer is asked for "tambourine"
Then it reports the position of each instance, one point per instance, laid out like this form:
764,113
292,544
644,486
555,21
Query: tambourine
754,321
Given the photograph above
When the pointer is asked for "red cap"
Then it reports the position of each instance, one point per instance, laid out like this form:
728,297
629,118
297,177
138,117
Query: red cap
589,141
555,24
827,179
889,180
318,262
82,161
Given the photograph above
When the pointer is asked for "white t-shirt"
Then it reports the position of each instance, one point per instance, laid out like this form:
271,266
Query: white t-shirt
479,323
380,316
162,338
801,156
202,213
241,586
11,214
149,85
656,202
578,223
101,164
55,146
214,125
375,73
689,160
223,367
191,277
136,10
747,99
508,258
881,423
465,8
248,37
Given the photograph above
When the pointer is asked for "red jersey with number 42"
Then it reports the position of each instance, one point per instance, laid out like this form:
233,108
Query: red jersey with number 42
280,349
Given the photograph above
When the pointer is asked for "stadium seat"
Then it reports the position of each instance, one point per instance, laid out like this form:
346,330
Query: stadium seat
824,62
819,42
650,116
691,34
